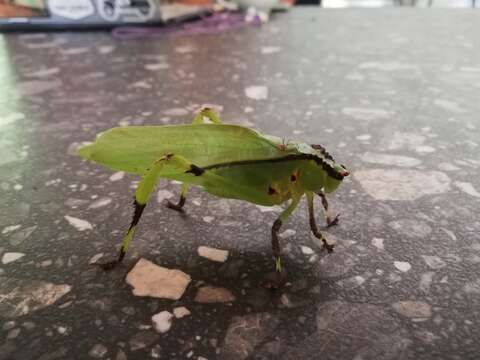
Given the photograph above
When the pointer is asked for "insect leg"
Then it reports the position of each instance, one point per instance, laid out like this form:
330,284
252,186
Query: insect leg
183,195
330,222
276,227
208,113
142,195
313,224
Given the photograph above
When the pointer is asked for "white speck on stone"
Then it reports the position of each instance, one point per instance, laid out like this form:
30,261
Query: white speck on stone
248,109
62,330
208,219
100,203
378,243
413,309
450,233
269,208
162,322
213,254
155,67
411,227
400,140
10,228
403,266
444,166
106,49
163,195
387,66
386,159
287,233
355,76
393,184
186,49
424,149
449,105
434,262
257,92
367,114
79,224
426,281
270,49
98,351
17,187
176,112
467,188
148,279
11,257
117,176
364,137
181,312
95,258
306,250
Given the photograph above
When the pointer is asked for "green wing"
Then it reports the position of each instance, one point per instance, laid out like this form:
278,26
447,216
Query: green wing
133,149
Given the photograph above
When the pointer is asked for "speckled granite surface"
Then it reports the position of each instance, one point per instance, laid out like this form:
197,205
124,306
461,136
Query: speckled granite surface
392,93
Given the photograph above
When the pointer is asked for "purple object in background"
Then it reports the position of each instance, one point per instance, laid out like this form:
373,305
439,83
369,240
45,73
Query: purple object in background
213,24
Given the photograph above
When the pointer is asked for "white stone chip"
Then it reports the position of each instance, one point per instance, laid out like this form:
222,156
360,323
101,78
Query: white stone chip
10,228
79,224
95,258
257,92
434,262
403,266
378,243
413,309
467,188
104,201
181,312
213,254
11,257
387,159
117,176
148,279
306,250
163,195
162,322
270,49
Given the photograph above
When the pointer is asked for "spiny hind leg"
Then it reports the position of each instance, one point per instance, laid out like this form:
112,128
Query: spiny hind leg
313,224
328,217
143,193
279,277
181,201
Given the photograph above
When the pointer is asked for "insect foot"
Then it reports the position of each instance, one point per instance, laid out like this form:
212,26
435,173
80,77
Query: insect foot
333,222
108,265
327,246
275,280
177,207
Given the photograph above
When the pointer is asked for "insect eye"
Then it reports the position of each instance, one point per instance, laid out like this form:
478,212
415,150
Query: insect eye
345,171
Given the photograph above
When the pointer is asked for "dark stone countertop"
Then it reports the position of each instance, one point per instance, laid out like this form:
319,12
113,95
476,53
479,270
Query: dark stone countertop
392,93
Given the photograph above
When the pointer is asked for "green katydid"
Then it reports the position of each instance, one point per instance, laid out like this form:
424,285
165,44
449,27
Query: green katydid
228,161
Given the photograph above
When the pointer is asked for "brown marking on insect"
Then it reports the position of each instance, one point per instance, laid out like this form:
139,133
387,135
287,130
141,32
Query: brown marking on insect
272,191
294,176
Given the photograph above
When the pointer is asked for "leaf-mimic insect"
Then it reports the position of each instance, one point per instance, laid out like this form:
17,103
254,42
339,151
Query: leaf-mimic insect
228,161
